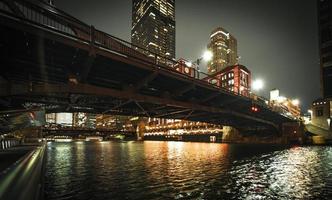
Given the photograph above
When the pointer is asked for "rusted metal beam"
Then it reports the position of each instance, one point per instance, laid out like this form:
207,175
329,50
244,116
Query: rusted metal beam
117,106
142,83
184,89
210,97
88,64
13,7
171,113
141,107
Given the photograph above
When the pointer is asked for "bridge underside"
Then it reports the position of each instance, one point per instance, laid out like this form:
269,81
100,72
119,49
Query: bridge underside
47,69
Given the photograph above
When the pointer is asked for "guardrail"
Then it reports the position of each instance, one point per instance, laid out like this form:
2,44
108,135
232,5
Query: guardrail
8,143
24,180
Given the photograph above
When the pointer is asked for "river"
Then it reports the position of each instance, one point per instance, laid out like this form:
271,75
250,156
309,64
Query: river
179,170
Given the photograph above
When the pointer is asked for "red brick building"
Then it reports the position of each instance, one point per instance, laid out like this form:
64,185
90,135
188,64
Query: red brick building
236,78
183,67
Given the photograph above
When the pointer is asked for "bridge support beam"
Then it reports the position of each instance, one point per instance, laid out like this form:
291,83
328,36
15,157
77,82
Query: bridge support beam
293,132
144,82
183,90
140,130
12,6
85,89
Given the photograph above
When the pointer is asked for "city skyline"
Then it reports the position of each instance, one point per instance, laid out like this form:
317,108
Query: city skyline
95,104
275,44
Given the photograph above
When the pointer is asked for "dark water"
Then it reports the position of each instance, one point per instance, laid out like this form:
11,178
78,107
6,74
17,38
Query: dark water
176,170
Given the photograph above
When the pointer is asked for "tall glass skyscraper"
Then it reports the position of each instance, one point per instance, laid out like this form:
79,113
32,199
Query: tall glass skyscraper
153,27
224,49
325,46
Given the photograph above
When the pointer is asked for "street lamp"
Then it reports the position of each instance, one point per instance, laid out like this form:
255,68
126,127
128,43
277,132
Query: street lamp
207,56
295,102
257,84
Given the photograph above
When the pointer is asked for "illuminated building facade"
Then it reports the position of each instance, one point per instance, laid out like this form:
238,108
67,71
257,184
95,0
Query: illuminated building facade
85,120
153,27
236,78
322,114
325,46
182,130
224,49
283,105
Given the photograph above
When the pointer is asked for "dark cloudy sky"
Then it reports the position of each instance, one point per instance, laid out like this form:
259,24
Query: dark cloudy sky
277,39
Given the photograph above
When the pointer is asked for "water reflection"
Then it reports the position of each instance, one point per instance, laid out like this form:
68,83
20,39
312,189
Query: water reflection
176,170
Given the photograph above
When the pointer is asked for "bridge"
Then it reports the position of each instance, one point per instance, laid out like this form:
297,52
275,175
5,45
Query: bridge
54,61
77,131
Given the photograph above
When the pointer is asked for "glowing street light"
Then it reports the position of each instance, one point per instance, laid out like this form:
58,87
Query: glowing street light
257,85
295,102
207,56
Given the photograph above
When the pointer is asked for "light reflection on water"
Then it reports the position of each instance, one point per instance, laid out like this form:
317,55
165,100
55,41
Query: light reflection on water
176,170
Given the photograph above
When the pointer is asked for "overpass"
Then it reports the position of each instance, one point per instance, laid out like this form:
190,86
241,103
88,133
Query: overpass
76,131
54,61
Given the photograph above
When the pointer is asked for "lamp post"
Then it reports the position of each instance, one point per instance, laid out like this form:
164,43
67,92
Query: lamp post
207,56
257,85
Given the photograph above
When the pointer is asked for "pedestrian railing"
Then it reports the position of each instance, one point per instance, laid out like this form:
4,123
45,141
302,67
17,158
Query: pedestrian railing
24,180
8,143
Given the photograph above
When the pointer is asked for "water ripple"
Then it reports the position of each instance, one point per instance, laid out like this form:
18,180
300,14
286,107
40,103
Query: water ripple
176,170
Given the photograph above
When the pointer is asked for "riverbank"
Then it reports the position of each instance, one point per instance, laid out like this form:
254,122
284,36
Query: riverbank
319,136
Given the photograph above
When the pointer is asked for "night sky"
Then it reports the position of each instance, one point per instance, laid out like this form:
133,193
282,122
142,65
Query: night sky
277,39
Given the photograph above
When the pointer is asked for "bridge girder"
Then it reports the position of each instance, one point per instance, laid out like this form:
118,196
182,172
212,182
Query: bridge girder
85,89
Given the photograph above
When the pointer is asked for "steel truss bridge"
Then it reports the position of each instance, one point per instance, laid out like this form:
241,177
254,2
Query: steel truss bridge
77,131
52,60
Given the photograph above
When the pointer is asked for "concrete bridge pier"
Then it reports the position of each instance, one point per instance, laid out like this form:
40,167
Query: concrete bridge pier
293,132
288,133
140,130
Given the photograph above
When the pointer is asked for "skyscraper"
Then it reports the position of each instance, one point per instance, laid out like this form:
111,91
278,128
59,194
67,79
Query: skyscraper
153,27
224,48
325,46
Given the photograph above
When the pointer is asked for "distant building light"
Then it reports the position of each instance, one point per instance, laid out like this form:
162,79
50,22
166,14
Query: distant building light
153,44
281,99
219,32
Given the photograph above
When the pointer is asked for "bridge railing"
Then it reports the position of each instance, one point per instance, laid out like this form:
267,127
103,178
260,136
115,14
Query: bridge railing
39,13
8,143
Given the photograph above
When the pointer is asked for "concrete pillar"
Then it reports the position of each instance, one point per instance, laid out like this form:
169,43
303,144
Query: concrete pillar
140,130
